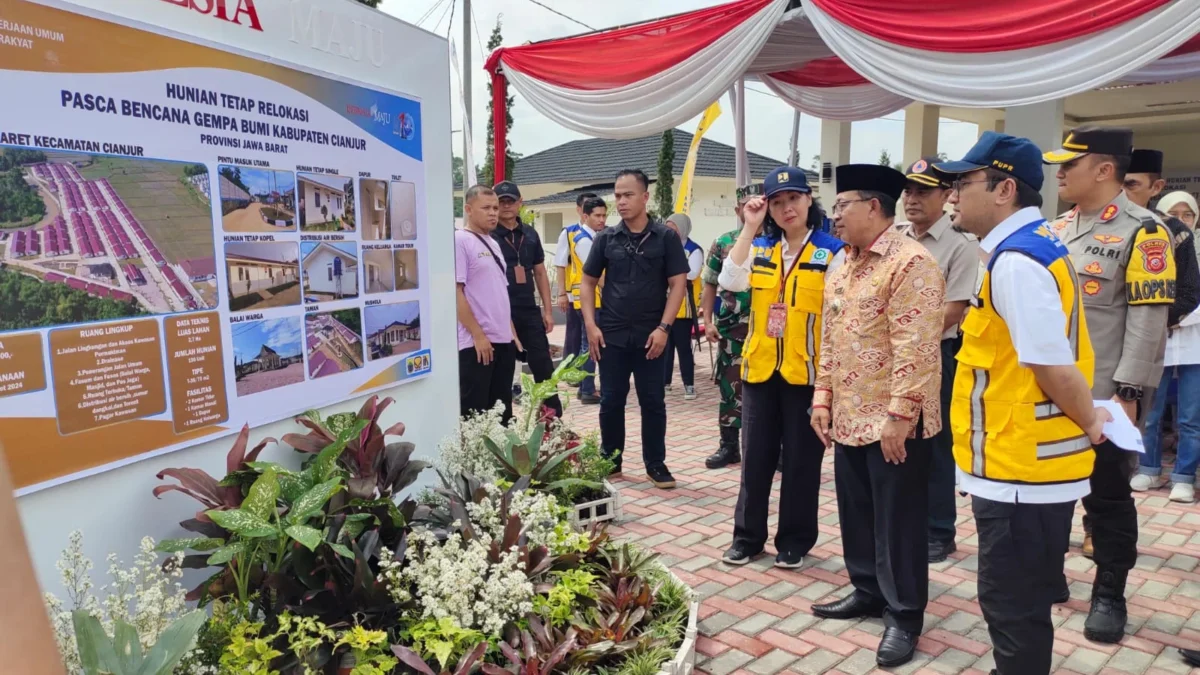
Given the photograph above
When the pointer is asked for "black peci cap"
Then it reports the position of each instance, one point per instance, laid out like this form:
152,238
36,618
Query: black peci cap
1090,140
874,177
1146,161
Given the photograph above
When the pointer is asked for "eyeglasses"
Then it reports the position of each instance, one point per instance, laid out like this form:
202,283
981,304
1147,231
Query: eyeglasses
840,206
958,184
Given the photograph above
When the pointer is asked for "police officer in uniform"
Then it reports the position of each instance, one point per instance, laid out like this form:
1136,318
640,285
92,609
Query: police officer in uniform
1126,270
1022,410
727,327
783,265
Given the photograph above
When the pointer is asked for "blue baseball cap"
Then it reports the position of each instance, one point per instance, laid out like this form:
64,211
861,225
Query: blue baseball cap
784,179
1013,155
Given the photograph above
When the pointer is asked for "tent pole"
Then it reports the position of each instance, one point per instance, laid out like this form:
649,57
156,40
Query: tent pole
741,165
793,154
499,128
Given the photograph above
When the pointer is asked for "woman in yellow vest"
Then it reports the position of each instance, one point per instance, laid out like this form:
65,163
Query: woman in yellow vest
782,257
680,339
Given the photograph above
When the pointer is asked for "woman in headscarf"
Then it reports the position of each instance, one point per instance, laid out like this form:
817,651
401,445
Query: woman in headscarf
1182,363
680,338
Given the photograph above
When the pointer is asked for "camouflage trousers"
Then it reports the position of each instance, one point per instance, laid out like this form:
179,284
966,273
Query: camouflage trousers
728,376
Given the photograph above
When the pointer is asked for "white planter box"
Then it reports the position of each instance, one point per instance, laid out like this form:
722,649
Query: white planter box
685,659
607,508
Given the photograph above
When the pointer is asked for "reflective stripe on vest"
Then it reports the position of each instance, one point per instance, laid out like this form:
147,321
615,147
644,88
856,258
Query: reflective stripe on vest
687,310
575,234
1005,427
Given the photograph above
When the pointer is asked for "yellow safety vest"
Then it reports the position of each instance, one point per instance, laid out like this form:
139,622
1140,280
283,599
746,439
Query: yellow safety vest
687,310
1005,427
575,234
793,356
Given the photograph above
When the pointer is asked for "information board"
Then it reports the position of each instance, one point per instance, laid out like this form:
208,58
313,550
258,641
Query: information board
192,239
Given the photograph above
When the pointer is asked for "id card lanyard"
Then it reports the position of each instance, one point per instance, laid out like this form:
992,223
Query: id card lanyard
519,270
777,312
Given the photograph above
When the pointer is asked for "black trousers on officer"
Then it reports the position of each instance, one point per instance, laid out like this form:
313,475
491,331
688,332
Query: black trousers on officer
1111,513
1021,549
574,336
943,509
775,419
532,334
884,513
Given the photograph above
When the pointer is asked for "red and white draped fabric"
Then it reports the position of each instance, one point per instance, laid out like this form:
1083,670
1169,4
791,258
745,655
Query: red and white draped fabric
850,59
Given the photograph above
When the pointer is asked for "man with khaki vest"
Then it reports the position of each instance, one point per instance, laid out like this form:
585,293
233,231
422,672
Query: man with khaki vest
1125,265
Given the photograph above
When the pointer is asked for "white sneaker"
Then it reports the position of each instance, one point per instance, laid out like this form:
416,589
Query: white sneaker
1142,482
689,393
1183,492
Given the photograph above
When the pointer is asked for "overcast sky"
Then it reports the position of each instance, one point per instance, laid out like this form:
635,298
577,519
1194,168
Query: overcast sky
768,119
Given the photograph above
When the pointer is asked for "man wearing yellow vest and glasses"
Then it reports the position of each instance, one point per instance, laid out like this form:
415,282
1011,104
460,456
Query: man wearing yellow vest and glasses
783,261
1022,413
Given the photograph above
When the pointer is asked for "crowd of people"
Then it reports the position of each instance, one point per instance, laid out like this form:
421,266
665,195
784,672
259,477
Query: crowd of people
960,349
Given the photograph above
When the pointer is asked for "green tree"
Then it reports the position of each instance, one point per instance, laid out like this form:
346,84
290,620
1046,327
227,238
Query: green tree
19,201
664,187
487,175
234,175
885,158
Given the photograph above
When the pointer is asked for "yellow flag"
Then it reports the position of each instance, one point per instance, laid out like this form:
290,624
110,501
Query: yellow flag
683,199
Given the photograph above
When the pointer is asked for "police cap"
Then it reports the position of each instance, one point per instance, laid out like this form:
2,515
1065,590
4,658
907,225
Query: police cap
1088,140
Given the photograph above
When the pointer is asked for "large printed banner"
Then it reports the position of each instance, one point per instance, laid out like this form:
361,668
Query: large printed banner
192,239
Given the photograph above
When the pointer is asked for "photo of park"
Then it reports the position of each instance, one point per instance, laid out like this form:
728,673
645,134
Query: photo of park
392,330
267,354
257,200
262,275
92,237
326,202
333,341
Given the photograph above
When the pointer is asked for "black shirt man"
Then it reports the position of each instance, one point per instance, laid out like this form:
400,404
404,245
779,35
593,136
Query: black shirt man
525,260
645,271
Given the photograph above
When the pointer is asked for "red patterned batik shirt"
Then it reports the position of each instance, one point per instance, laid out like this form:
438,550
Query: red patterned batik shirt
881,351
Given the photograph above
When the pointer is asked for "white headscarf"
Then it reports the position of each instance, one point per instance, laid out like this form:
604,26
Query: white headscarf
1173,199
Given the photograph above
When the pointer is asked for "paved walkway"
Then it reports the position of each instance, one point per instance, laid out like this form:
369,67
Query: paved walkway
756,619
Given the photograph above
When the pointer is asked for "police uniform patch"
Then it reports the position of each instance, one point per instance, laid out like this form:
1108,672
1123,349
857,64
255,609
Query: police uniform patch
1091,287
1154,255
1108,238
1110,212
821,255
1094,268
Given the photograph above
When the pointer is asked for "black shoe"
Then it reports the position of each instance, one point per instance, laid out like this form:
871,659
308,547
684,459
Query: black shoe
1191,657
588,399
896,648
616,469
723,458
1106,620
1063,598
939,551
739,554
661,477
849,607
789,560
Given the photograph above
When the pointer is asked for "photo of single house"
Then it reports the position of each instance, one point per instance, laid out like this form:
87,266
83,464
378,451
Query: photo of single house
330,270
373,212
406,269
403,213
257,200
378,275
326,203
267,355
333,341
262,274
392,330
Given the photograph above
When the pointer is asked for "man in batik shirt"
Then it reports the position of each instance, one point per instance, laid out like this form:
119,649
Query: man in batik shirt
727,327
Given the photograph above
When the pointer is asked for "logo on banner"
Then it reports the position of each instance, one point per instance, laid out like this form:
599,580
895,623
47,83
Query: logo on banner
405,128
1154,255
233,11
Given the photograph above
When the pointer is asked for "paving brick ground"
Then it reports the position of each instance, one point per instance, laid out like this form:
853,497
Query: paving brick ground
756,619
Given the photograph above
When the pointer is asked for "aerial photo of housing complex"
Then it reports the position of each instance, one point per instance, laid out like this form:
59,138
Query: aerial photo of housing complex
333,341
85,238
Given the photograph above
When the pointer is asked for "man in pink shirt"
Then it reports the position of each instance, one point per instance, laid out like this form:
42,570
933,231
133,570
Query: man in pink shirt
487,356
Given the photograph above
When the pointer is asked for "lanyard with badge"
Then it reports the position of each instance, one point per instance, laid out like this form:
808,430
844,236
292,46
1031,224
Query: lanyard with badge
777,312
519,270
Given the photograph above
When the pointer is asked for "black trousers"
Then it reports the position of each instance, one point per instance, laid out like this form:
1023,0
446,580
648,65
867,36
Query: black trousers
943,509
775,419
574,336
680,340
1111,513
1021,549
617,364
884,512
532,334
480,386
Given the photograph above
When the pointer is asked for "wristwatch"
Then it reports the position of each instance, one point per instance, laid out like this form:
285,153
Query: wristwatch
1129,393
665,327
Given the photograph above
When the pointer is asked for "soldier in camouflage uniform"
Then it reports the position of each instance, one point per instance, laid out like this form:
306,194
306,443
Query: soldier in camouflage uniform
728,329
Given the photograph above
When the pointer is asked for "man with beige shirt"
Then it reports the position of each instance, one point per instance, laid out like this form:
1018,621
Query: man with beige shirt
957,256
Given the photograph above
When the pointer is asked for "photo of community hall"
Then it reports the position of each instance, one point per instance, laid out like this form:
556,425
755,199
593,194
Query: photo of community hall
326,203
267,355
333,341
330,270
261,275
392,330
257,200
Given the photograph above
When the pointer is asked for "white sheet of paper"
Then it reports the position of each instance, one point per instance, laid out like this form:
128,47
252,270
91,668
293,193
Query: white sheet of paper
1190,320
1121,429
